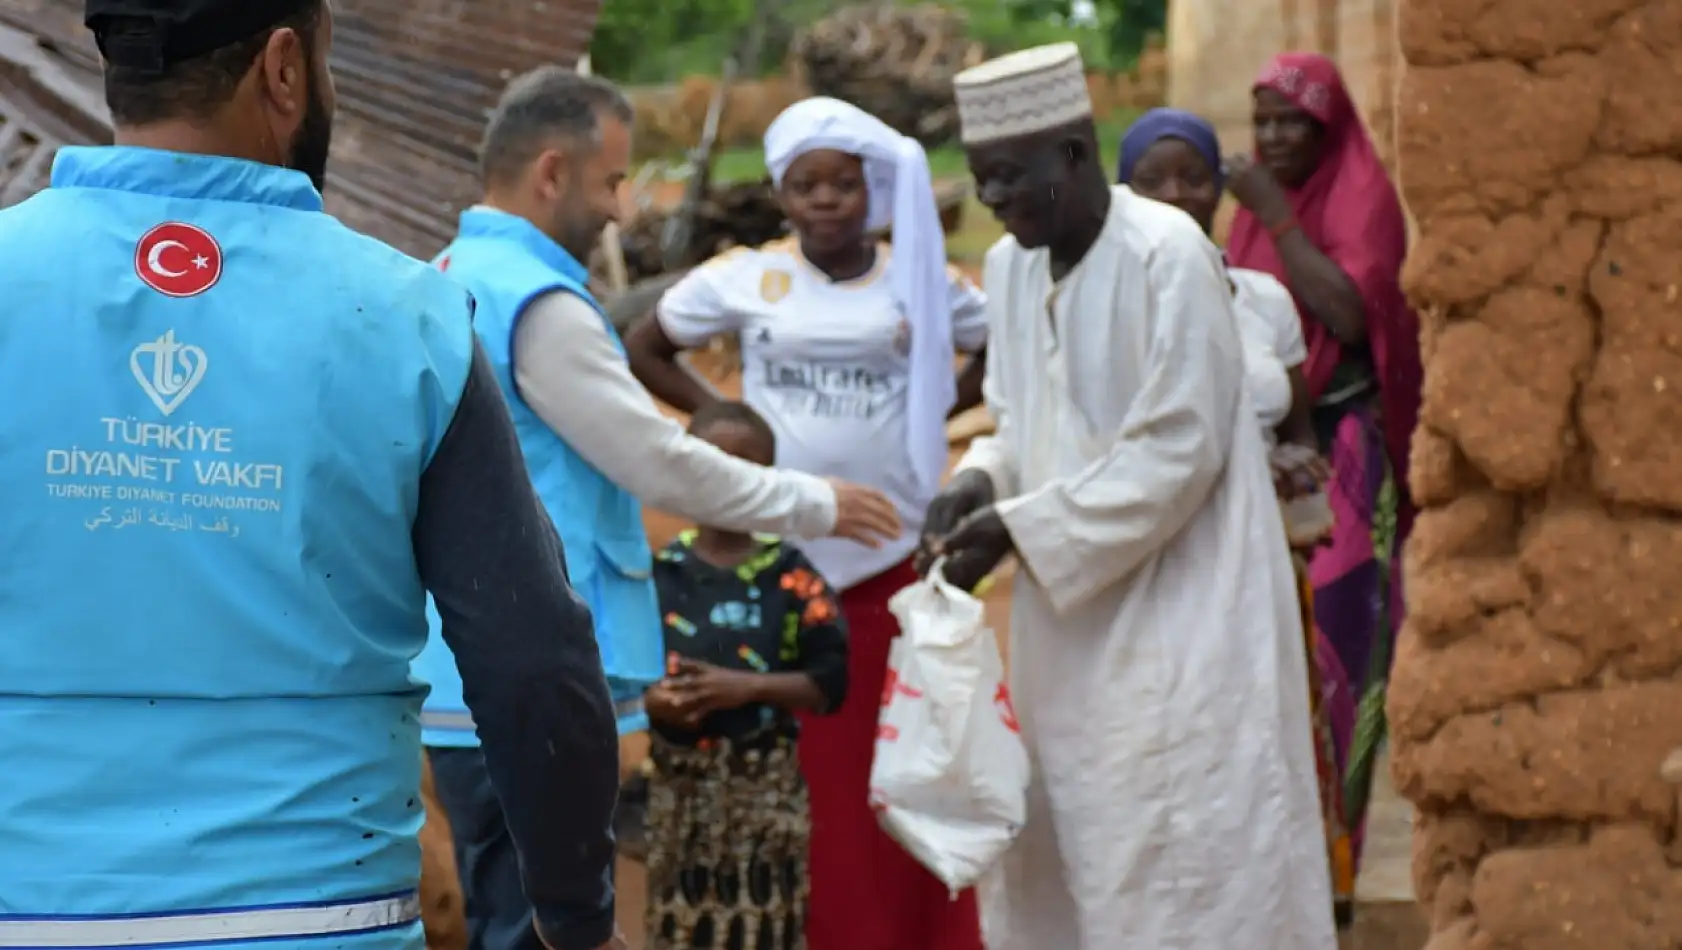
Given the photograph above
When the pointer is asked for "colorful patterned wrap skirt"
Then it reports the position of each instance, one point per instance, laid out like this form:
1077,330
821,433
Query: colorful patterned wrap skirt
728,834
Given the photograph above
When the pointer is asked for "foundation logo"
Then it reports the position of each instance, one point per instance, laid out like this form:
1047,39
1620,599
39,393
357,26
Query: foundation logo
167,371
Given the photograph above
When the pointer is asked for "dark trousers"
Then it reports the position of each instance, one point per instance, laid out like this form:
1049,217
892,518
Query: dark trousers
498,915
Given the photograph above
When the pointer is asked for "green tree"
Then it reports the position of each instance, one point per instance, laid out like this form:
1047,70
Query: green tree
1005,25
660,41
655,41
1132,23
1126,25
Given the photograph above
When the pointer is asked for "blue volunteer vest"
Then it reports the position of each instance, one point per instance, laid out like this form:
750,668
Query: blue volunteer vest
209,599
506,262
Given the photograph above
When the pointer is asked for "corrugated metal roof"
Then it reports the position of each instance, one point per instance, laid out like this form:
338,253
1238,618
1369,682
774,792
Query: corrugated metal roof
416,80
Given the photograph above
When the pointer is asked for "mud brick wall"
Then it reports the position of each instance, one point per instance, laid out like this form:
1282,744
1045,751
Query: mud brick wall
1536,703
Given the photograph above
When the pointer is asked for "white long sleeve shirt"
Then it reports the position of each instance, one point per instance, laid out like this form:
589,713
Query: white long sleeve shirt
568,370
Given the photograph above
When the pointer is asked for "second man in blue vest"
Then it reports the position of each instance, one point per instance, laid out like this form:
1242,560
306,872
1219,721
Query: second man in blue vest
555,153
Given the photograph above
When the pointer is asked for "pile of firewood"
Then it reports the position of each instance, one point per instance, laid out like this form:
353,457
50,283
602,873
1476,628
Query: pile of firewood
741,213
894,62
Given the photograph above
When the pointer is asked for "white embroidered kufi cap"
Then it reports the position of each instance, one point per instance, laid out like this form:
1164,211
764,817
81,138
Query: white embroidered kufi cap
1022,93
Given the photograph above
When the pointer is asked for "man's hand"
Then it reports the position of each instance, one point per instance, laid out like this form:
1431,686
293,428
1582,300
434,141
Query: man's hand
968,492
974,548
864,515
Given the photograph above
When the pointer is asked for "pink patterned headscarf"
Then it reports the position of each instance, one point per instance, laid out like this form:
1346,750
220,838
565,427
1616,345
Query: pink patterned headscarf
1349,209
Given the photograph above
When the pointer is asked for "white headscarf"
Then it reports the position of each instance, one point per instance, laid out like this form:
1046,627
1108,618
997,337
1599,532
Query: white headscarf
901,193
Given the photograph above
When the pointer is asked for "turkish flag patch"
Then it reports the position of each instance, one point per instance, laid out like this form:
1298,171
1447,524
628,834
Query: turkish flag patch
178,260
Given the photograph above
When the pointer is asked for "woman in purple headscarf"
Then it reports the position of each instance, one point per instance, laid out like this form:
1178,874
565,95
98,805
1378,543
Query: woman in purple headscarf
1166,156
1174,156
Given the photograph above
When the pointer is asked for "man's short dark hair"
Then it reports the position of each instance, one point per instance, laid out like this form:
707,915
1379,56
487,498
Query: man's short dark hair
537,107
730,412
197,87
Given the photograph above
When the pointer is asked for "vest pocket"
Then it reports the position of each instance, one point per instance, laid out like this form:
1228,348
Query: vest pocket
627,616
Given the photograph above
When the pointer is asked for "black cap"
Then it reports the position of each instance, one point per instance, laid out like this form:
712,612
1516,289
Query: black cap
151,35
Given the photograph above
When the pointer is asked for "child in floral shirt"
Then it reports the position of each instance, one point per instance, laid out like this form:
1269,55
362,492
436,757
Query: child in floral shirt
752,635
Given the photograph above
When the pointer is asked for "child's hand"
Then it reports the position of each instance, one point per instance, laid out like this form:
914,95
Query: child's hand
702,688
664,707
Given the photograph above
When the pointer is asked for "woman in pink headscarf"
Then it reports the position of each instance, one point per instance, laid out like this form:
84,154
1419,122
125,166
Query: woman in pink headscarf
1319,212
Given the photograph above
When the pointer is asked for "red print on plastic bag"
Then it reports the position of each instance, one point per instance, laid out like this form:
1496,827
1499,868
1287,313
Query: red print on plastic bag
1007,709
891,685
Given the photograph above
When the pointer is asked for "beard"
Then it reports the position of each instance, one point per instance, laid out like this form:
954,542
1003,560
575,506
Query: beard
314,140
576,227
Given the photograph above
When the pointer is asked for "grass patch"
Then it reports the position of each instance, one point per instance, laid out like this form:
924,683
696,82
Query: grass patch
969,243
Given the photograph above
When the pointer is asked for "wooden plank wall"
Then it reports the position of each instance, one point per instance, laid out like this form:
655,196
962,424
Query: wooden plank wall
416,80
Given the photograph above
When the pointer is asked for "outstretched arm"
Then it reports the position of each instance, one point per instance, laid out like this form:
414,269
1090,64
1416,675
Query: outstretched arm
568,371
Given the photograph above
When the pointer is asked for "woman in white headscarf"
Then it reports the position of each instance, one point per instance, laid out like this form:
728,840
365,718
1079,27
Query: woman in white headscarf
849,350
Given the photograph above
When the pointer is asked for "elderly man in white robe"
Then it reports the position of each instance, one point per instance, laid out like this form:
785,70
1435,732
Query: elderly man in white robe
1155,641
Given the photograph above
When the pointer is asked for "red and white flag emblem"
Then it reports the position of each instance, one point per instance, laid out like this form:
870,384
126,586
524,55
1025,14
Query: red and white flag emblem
178,260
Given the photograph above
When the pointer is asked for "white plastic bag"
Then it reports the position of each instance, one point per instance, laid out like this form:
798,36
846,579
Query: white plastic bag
950,776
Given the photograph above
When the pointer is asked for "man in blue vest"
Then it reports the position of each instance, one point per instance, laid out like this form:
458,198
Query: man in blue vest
253,441
554,156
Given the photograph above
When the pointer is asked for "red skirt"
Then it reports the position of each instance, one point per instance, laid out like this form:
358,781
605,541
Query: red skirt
867,892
